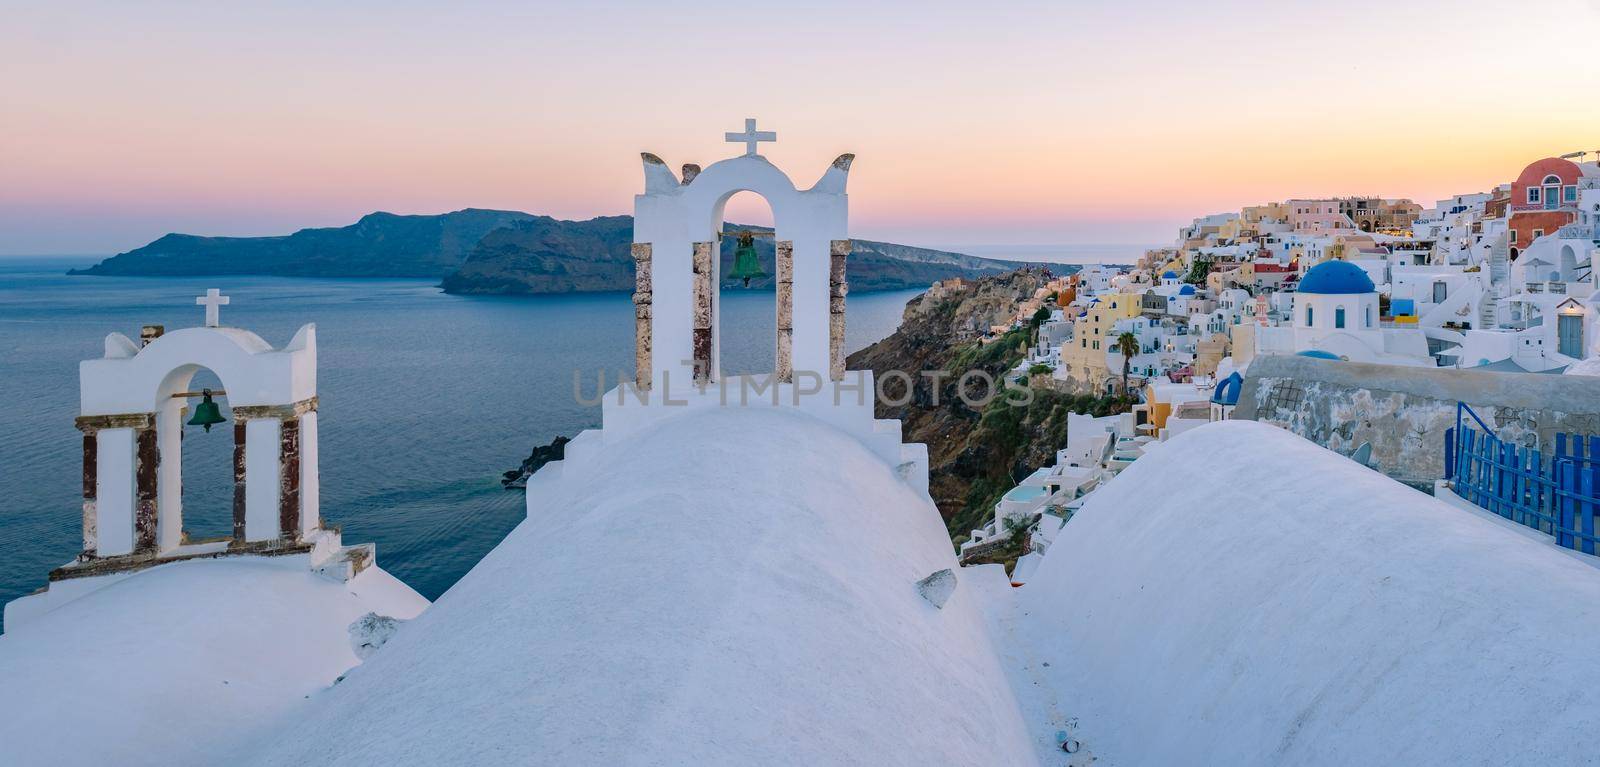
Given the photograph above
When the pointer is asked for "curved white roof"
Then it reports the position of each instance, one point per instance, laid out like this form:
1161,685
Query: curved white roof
1298,608
736,587
1588,367
179,663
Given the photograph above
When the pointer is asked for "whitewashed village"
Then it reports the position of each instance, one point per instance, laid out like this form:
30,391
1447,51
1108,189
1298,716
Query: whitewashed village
1494,281
1343,514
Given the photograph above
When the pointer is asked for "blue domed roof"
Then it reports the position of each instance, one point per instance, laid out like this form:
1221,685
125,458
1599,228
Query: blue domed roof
1227,392
1187,290
1169,275
1336,277
1318,354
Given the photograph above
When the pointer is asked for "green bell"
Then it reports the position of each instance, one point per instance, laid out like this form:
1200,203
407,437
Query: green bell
745,264
207,413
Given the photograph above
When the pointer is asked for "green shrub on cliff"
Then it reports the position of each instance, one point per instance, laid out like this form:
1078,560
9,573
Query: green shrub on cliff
994,357
1010,441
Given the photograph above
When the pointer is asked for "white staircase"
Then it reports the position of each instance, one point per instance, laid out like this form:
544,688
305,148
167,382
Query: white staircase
1499,275
1499,262
1488,315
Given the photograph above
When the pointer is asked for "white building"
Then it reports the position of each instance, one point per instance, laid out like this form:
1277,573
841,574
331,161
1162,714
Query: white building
1335,315
1437,296
1095,279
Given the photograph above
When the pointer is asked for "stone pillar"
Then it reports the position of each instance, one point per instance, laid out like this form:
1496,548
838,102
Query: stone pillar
238,481
642,312
838,251
91,442
270,464
704,315
147,466
785,286
120,460
289,479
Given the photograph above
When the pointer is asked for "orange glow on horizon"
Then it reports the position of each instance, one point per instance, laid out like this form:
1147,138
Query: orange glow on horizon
1049,124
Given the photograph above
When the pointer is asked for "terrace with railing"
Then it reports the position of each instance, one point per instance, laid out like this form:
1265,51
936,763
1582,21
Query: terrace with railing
1550,286
1545,205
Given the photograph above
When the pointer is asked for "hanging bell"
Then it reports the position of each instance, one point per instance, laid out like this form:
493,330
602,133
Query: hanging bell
746,266
207,413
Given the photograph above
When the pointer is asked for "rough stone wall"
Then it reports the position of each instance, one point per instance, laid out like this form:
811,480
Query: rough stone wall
289,480
838,251
785,287
703,319
238,480
1404,411
643,309
91,452
147,462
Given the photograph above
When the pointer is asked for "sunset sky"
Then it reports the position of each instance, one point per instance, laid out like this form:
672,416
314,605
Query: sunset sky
974,123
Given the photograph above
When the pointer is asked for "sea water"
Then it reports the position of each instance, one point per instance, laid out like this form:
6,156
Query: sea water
424,399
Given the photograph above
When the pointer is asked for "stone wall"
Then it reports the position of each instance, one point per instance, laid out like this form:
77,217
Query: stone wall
1404,411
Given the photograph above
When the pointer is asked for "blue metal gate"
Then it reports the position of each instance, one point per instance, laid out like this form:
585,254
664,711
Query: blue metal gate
1554,494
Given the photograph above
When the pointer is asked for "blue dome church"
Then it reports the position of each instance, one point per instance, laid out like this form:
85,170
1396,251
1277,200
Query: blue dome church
1337,278
1336,318
1336,295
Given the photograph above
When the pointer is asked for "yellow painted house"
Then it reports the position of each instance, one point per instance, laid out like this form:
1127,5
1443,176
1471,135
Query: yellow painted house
1085,354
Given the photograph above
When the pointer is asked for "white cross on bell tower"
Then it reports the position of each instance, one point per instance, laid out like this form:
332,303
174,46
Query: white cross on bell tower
750,137
213,301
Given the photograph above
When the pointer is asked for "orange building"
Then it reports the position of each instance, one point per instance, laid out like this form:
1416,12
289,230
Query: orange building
1544,198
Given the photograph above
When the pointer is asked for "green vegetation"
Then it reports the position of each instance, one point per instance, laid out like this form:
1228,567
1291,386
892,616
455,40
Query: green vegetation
1010,550
1127,346
1199,269
994,357
1011,441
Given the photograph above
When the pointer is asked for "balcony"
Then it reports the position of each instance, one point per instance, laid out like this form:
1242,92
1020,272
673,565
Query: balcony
1551,205
1553,286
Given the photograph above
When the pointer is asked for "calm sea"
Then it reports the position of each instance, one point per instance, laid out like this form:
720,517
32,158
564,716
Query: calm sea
425,399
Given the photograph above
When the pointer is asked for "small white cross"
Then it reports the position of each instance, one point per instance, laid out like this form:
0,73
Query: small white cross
213,301
750,137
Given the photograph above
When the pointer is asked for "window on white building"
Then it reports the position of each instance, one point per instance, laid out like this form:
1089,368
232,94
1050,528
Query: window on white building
1338,317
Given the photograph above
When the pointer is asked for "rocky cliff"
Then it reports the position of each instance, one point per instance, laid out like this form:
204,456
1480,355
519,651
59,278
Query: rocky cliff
496,252
975,452
542,255
379,245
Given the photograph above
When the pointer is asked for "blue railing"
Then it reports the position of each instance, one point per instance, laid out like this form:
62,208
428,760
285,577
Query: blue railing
1558,494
